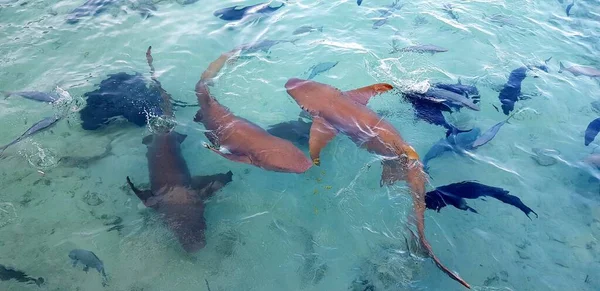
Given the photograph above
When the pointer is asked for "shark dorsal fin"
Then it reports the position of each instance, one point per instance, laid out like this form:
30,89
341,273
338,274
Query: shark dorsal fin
362,95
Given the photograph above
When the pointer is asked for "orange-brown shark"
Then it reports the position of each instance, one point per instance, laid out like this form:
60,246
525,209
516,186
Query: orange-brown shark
334,111
238,139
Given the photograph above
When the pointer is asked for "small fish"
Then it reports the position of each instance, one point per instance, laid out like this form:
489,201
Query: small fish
458,142
89,260
425,48
321,68
448,8
568,10
591,131
490,133
89,8
511,91
307,29
33,95
455,194
452,97
543,67
37,127
385,14
234,13
578,70
263,45
20,276
430,111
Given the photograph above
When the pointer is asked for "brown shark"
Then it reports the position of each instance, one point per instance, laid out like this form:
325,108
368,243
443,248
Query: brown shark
334,112
174,193
238,139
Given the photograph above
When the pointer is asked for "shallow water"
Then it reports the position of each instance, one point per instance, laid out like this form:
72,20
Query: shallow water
334,224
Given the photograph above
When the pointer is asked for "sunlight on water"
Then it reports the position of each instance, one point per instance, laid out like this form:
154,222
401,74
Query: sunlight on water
84,114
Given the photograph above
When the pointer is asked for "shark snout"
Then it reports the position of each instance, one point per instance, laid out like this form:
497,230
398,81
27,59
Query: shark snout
293,83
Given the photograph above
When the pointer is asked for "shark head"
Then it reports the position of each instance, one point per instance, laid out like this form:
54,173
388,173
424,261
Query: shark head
305,91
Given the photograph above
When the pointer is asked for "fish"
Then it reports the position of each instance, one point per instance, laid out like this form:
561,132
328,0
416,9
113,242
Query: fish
578,70
296,131
425,48
430,111
457,142
176,195
591,131
490,133
89,260
459,88
238,139
89,8
452,97
321,68
34,95
448,9
35,128
238,13
455,194
568,10
385,13
7,273
511,91
263,45
334,111
307,29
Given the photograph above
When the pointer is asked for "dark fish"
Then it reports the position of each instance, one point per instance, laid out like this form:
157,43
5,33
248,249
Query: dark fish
307,29
296,131
456,142
321,68
490,133
37,127
385,14
568,10
448,9
234,13
20,276
451,97
89,8
459,88
34,95
430,111
591,131
263,45
455,194
89,260
511,91
425,48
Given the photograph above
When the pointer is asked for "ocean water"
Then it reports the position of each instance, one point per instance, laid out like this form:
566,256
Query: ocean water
333,226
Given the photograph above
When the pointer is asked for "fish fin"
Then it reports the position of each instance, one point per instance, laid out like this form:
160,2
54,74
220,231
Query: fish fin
198,116
180,136
208,185
362,95
144,195
148,139
6,94
459,82
562,67
547,60
320,29
469,208
230,156
321,133
86,268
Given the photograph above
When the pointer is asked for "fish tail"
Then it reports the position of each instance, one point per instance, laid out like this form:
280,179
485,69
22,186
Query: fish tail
294,41
320,29
562,67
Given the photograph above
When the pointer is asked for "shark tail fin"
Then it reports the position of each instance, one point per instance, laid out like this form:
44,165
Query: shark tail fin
562,67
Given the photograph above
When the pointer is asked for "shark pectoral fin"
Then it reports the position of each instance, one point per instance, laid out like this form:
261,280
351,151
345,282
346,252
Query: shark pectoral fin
144,195
393,170
180,136
321,132
147,139
362,95
208,185
232,157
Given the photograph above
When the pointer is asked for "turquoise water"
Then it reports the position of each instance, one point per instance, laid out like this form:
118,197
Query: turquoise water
332,225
